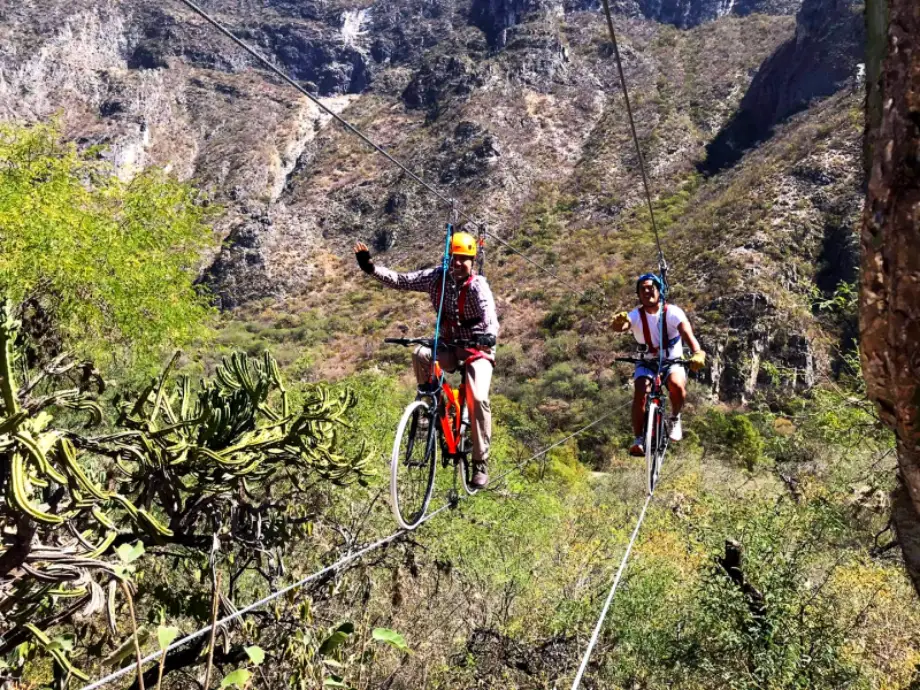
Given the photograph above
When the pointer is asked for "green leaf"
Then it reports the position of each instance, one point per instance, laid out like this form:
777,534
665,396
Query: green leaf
239,678
333,642
128,553
256,654
336,639
334,682
166,635
391,637
63,643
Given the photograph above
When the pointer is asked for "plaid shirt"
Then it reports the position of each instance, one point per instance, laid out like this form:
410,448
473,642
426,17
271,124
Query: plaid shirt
479,316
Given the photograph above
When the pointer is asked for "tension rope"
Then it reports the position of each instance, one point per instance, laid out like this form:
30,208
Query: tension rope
483,231
451,203
330,569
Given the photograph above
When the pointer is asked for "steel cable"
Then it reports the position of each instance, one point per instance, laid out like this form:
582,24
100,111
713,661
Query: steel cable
613,591
131,668
367,140
632,127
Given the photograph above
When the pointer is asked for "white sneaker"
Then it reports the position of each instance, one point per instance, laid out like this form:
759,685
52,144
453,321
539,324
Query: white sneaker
677,432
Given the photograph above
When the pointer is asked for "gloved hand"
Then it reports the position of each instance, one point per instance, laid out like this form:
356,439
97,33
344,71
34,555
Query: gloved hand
485,340
620,322
697,361
363,255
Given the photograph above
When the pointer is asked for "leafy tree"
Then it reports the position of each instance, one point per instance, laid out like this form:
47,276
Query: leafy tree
97,262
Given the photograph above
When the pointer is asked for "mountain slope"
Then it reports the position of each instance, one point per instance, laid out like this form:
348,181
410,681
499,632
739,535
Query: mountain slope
529,132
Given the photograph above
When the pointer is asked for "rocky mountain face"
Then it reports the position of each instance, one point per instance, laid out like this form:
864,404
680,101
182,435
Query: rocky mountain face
510,106
689,13
825,53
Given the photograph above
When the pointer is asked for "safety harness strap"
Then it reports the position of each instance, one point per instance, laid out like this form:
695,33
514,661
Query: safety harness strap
647,332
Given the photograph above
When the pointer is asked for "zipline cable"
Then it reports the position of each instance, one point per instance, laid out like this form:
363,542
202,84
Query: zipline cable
613,591
367,140
521,465
632,126
132,668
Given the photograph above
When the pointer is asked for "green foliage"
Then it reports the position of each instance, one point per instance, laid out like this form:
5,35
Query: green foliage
734,435
390,637
166,635
256,654
774,621
182,465
544,220
238,679
110,263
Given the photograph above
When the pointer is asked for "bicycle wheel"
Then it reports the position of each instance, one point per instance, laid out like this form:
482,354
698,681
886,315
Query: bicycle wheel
466,462
412,465
662,432
651,445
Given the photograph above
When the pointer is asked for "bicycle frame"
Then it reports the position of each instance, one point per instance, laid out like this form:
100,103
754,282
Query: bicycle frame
450,414
658,396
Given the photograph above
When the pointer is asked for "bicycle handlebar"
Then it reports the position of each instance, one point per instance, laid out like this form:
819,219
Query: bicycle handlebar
647,362
429,342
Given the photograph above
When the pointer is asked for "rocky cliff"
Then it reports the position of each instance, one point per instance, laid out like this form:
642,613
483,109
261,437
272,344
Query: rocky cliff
825,53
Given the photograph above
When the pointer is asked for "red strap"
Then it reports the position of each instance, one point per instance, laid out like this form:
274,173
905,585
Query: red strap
470,355
647,333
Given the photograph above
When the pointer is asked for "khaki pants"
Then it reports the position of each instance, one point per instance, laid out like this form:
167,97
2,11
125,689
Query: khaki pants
478,380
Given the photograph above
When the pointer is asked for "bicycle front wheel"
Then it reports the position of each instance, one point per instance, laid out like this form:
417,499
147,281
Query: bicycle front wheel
651,445
412,465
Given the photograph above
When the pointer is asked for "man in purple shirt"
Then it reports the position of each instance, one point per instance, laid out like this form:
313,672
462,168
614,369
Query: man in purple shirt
468,315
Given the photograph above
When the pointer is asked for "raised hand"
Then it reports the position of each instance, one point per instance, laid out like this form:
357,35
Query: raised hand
363,256
698,360
620,322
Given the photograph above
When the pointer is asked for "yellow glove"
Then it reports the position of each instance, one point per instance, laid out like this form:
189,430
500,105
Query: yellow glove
620,322
698,361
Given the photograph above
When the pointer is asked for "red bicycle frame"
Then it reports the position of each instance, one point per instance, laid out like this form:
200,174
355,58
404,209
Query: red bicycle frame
450,423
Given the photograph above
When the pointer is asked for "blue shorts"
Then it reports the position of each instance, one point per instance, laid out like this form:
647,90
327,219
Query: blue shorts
645,372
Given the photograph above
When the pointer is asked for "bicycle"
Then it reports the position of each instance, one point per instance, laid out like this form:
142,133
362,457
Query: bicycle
437,421
657,422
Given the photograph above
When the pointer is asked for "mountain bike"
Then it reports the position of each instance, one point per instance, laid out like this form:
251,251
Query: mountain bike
657,421
436,422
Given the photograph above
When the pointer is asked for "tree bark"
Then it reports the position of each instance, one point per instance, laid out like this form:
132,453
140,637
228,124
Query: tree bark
890,291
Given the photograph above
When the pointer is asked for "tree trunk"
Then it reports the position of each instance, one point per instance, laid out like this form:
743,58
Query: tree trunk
890,295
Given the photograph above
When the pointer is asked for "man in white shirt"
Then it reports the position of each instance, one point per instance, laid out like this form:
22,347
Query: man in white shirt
645,323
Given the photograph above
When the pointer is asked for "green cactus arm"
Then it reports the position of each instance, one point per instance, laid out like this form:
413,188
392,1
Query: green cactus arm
9,327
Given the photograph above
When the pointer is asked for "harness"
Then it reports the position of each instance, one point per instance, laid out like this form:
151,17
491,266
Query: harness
647,332
471,354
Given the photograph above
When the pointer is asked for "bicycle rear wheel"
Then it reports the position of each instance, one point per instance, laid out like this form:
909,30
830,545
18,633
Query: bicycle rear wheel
412,465
466,462
662,432
651,445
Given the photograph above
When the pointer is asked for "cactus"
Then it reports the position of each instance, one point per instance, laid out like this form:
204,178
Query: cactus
216,443
231,425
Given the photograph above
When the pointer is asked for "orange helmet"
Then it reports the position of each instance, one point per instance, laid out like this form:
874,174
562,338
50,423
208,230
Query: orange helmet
463,244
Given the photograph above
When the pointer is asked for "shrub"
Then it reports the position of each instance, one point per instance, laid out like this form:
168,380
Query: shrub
98,262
